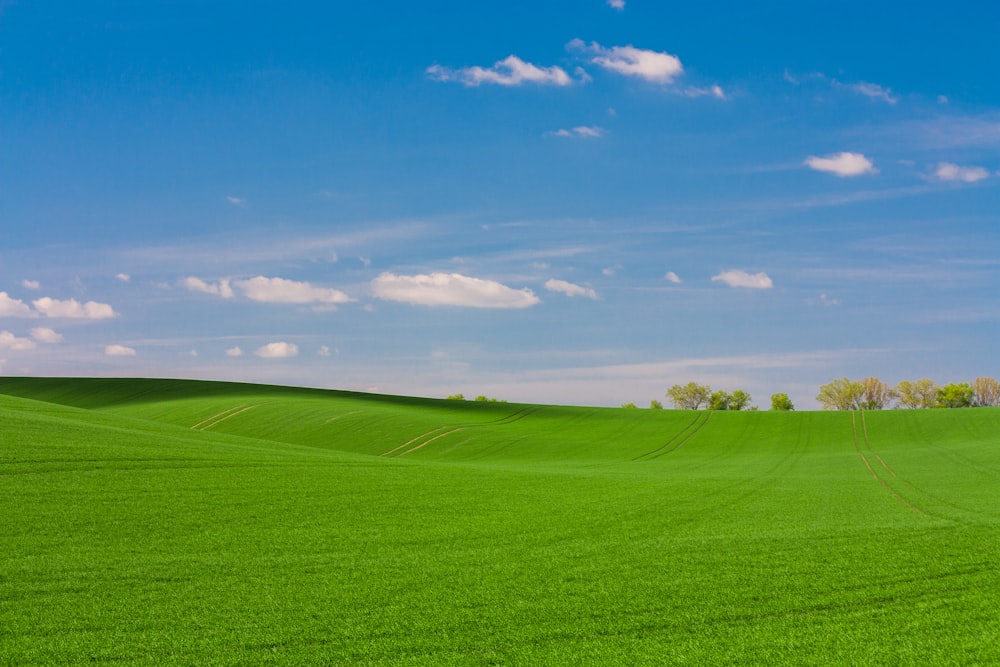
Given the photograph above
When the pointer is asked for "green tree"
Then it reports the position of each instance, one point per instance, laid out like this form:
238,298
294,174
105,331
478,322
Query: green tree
841,394
655,405
986,393
875,394
919,394
457,397
739,400
628,406
781,403
719,400
955,395
689,397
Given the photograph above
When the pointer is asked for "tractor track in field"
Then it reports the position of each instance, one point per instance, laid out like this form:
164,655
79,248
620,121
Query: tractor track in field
214,420
868,465
679,439
435,433
908,483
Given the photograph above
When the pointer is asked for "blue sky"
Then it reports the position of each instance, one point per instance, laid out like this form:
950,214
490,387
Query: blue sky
563,202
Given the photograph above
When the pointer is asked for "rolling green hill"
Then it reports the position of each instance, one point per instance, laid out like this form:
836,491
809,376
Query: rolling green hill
167,521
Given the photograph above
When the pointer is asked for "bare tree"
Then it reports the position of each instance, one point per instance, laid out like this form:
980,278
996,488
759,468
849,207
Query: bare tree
986,393
875,394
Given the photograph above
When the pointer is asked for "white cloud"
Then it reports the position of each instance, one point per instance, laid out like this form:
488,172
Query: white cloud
872,90
11,307
236,201
737,278
672,277
655,66
324,351
31,284
842,164
947,171
119,351
569,289
581,132
451,289
715,90
220,288
617,4
279,350
511,71
45,335
234,352
281,290
124,277
73,309
9,341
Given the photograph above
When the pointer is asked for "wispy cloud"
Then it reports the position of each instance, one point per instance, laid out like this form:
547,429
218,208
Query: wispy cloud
948,171
581,132
672,277
570,289
713,91
654,66
281,290
221,288
451,289
871,90
617,4
123,277
842,165
234,352
73,309
738,278
277,350
236,201
511,71
31,284
119,351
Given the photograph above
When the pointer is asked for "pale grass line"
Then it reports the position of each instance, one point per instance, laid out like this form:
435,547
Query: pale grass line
215,416
216,423
410,442
410,451
346,414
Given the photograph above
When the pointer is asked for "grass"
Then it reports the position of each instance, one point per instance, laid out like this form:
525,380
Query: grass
302,526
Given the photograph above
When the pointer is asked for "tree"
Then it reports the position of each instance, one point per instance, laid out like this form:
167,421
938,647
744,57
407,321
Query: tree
457,397
655,405
739,400
629,406
954,395
719,400
841,394
986,393
781,403
920,394
689,397
875,394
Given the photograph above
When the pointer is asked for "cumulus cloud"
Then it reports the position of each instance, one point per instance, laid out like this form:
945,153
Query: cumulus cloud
672,277
124,277
654,66
569,289
581,132
73,309
221,288
11,307
278,350
280,290
511,71
451,289
31,284
737,278
9,341
45,335
842,164
119,351
947,171
234,352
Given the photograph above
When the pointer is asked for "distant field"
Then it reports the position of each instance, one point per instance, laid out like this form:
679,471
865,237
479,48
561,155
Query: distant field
181,522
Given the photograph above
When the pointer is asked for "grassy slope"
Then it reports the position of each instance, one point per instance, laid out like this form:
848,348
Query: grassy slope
521,535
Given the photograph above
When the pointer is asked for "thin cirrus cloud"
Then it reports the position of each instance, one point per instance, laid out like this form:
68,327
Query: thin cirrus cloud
277,350
511,71
654,66
73,309
738,278
281,290
119,351
581,132
948,171
450,289
570,289
873,91
843,164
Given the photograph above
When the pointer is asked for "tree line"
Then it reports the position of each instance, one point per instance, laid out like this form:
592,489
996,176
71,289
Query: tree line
873,394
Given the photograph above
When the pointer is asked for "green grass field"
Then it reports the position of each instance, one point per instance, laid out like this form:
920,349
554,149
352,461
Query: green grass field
178,522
